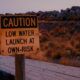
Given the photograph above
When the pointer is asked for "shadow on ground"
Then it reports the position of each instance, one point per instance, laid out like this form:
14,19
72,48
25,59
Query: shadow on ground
6,76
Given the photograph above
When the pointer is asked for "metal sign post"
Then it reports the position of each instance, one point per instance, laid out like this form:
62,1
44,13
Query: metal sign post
19,67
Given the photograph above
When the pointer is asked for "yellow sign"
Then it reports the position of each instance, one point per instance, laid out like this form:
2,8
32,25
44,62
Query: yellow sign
19,34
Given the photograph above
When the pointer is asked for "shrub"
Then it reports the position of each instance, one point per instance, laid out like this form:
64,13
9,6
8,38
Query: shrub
56,56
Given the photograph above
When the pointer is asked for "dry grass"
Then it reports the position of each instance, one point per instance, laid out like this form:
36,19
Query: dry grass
70,62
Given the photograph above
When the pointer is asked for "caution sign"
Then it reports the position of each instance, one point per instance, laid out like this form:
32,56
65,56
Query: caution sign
19,34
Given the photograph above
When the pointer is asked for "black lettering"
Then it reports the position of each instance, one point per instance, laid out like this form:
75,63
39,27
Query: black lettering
27,48
10,33
31,40
13,49
18,21
26,33
16,41
22,33
7,42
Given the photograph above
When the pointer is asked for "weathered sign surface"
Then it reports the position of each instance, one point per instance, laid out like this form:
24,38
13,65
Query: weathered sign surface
19,34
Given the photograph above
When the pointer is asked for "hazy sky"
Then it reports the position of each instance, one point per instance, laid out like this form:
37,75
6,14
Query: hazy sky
16,6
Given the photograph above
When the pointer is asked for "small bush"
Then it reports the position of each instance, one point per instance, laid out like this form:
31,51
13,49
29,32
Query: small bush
56,56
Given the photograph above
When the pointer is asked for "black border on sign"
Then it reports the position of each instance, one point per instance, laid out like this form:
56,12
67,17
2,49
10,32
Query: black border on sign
17,16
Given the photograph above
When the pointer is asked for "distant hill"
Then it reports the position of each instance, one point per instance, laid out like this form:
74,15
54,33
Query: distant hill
72,13
68,14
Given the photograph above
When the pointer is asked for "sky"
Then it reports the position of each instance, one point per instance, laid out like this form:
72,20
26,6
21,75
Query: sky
23,6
